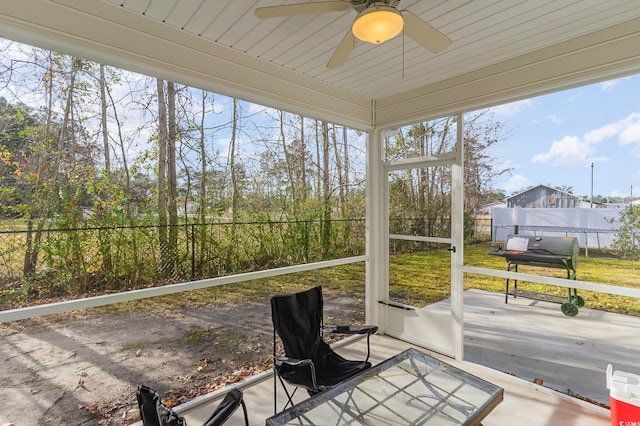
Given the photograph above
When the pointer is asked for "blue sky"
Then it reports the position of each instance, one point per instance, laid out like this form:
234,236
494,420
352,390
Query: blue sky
554,139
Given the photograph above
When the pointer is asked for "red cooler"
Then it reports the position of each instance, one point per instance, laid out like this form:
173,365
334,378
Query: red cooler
624,397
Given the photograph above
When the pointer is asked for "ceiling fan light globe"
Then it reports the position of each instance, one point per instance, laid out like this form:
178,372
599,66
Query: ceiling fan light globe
377,24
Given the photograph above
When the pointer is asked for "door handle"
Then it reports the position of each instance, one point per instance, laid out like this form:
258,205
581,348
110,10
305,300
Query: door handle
396,305
453,249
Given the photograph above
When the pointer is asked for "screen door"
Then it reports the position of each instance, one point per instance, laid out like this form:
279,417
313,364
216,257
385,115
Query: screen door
422,198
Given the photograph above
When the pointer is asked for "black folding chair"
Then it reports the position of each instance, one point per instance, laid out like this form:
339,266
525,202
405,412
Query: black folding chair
154,413
309,362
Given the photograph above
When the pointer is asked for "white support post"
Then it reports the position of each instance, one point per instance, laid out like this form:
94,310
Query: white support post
375,232
457,237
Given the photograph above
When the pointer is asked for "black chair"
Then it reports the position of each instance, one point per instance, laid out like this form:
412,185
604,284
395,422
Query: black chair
154,413
309,362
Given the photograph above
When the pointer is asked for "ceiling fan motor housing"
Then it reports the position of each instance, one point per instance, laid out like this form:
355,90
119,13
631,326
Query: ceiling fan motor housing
361,5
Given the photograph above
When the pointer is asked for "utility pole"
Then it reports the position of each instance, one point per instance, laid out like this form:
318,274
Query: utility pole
591,185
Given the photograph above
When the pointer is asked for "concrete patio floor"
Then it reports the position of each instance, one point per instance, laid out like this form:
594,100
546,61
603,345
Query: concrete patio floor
509,345
524,402
533,339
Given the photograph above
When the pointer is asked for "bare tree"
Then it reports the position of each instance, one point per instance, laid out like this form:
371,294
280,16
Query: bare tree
326,192
235,193
337,154
102,85
162,175
202,189
172,179
288,162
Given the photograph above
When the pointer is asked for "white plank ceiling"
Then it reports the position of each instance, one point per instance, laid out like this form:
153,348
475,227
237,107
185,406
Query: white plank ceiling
502,50
484,32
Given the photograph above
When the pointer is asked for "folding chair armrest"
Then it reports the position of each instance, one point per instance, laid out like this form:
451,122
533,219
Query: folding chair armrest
293,361
290,364
351,329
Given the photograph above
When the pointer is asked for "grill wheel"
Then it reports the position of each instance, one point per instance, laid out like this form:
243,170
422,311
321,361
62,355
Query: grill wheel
569,309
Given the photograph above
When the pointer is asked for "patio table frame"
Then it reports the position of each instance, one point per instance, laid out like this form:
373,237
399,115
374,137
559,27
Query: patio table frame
410,388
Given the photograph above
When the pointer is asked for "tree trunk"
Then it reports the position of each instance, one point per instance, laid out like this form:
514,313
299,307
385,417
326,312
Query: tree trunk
345,160
235,196
318,156
326,190
231,255
423,196
172,179
162,175
288,165
339,171
103,121
202,189
104,240
303,163
121,144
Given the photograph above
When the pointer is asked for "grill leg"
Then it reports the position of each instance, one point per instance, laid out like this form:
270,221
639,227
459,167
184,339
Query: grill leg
506,289
515,283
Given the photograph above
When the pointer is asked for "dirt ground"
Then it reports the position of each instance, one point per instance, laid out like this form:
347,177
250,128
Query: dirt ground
83,368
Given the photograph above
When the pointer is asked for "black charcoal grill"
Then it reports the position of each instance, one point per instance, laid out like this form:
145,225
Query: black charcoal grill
549,252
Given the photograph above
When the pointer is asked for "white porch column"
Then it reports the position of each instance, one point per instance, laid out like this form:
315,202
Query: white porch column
457,237
376,247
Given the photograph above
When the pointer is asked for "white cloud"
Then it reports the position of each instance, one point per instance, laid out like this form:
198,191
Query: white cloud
618,193
575,96
569,150
515,183
608,85
508,164
554,119
626,130
607,131
513,108
574,150
630,134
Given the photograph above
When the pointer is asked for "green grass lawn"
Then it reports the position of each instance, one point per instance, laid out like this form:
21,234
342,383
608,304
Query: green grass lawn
598,268
421,278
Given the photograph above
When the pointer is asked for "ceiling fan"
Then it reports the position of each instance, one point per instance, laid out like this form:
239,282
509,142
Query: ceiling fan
377,21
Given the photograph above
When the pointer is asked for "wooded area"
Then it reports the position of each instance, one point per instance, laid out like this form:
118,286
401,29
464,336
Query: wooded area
107,173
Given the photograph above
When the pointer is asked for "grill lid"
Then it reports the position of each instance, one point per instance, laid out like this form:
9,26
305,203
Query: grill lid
542,251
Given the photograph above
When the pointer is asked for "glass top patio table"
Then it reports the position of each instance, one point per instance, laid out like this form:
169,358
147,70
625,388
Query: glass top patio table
410,388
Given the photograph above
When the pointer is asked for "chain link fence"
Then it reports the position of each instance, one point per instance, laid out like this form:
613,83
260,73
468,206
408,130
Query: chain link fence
92,261
59,263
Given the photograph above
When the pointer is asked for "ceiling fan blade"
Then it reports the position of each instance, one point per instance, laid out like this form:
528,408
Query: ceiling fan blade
424,34
342,52
301,9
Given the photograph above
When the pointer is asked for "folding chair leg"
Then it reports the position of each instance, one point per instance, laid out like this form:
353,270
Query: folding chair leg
289,396
368,348
286,391
244,410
